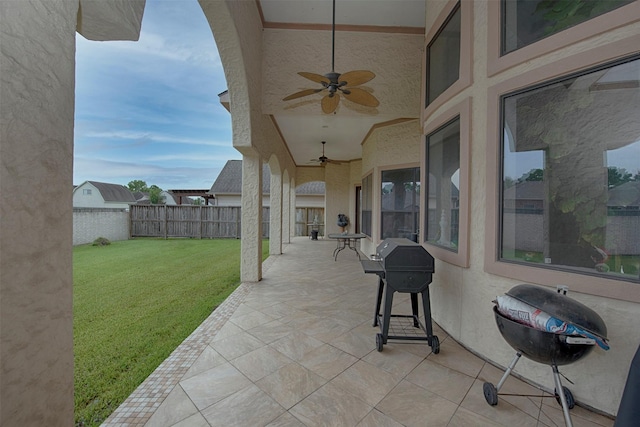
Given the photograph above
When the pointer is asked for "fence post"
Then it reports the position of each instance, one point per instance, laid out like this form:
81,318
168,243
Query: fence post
237,223
166,222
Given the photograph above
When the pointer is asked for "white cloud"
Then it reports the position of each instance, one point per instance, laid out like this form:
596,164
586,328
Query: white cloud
156,138
118,172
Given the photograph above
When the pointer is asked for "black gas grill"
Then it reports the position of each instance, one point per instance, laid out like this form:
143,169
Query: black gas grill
402,266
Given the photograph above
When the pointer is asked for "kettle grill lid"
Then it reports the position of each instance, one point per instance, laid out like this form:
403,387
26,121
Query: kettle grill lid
560,306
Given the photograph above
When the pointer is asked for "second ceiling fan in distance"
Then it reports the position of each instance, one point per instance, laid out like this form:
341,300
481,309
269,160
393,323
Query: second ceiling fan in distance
336,83
323,160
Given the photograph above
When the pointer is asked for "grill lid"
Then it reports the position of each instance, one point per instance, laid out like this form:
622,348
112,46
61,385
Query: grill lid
561,307
399,254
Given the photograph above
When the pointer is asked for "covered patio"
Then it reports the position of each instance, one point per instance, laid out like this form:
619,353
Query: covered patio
299,349
284,319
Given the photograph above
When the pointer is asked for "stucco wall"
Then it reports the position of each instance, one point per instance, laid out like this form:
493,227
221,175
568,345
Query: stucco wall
461,297
388,147
37,73
337,185
89,224
36,113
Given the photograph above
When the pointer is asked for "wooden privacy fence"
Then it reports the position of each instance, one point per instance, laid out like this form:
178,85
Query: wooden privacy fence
199,222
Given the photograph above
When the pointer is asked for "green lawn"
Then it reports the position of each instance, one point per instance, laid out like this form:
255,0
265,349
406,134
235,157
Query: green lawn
134,302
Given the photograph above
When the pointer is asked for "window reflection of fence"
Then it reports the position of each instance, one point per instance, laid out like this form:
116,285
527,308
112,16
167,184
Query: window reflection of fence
399,224
524,231
200,222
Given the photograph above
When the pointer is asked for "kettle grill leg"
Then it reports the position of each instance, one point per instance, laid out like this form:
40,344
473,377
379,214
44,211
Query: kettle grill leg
563,398
508,371
490,391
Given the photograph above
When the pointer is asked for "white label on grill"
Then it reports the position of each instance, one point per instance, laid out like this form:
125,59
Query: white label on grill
580,340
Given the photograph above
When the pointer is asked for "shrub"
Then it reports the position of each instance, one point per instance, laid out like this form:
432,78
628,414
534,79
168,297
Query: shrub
101,241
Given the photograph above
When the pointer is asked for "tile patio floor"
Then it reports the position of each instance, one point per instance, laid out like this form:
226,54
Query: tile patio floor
299,349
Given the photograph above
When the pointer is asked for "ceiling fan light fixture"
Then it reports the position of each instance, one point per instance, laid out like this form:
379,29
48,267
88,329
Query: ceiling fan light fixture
334,82
323,160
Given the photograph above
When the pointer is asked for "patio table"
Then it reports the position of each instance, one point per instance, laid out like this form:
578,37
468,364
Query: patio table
346,241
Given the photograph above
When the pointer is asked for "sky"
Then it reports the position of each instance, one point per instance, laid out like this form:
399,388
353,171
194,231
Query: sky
149,110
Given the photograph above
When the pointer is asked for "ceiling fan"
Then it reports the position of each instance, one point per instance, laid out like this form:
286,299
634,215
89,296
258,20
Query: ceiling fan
323,160
336,83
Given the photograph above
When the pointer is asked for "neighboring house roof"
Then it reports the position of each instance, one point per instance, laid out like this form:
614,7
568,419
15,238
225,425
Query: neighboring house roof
168,198
525,190
113,192
455,192
310,188
229,181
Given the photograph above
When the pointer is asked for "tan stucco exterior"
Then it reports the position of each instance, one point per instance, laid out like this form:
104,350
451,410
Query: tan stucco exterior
37,78
37,74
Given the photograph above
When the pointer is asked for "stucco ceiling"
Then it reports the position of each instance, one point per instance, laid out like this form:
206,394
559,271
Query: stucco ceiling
383,36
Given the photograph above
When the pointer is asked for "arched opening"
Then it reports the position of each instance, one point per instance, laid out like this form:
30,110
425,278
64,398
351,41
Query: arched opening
310,209
147,110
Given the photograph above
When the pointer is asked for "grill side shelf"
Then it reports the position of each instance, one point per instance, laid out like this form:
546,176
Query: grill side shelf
372,267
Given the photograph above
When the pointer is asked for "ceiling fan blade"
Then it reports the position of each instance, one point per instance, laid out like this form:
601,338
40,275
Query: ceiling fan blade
318,78
362,97
335,162
330,103
302,93
357,77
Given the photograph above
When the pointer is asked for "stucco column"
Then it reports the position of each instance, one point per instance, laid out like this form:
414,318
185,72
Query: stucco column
275,215
251,258
37,83
37,77
292,208
286,210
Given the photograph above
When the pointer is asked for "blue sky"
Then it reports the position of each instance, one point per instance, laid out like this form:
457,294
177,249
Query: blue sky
149,109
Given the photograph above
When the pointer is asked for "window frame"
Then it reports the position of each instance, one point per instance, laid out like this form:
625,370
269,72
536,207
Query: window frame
465,73
503,22
428,184
362,207
577,281
463,111
420,196
457,9
496,62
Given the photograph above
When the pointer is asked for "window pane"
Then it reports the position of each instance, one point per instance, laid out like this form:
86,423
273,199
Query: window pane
527,21
443,198
443,58
571,173
367,204
400,203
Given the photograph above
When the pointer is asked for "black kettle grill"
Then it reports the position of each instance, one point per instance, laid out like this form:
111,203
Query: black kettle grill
548,347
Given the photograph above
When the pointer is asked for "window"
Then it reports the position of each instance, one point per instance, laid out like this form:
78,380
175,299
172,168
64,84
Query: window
400,201
570,196
86,192
443,57
367,204
527,21
443,194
